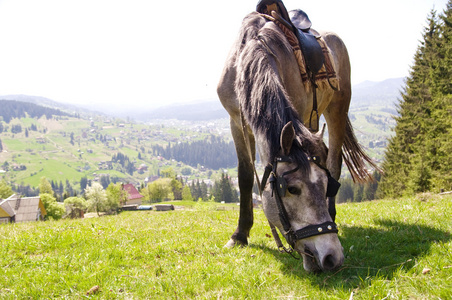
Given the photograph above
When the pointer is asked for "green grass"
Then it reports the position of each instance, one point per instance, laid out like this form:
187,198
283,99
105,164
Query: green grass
180,254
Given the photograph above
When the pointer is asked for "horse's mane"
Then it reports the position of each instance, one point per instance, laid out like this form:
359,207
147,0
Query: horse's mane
265,103
261,94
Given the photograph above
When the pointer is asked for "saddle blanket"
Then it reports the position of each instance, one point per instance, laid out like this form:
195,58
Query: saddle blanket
326,77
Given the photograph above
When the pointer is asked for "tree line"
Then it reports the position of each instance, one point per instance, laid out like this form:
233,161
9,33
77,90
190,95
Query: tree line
15,109
124,161
63,200
212,152
171,187
17,128
418,157
353,192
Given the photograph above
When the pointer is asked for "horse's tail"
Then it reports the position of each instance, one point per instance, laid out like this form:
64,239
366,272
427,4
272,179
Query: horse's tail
355,158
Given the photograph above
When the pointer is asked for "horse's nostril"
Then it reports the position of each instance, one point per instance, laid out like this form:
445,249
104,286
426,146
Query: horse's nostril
329,263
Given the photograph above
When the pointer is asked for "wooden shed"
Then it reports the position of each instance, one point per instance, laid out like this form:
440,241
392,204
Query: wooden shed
164,207
17,209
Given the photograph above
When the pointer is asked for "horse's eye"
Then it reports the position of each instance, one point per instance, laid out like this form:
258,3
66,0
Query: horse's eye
294,190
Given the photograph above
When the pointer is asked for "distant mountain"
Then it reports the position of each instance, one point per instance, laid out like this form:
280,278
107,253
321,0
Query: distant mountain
200,111
42,101
382,93
17,109
366,94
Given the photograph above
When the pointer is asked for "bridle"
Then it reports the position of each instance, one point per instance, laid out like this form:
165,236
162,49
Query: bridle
279,187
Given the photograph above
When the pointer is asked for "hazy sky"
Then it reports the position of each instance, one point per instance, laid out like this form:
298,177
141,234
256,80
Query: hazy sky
152,53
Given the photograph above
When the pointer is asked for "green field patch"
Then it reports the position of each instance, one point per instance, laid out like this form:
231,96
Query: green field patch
53,169
13,144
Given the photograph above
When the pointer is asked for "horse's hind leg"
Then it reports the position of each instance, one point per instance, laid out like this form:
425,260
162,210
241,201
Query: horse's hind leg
246,179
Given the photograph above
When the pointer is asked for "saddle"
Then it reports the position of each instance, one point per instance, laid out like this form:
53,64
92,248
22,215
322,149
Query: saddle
298,22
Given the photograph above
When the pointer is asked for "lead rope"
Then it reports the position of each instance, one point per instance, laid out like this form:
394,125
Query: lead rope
248,147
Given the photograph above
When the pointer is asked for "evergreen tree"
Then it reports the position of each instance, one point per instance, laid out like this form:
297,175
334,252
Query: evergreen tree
224,191
204,191
105,181
415,160
345,193
195,189
83,183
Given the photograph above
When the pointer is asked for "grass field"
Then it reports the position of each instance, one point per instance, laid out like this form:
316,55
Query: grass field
399,249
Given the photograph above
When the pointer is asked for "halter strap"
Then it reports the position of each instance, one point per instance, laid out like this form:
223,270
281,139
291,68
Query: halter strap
292,236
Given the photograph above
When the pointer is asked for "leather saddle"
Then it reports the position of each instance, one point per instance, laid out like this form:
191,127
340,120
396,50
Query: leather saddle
298,21
307,38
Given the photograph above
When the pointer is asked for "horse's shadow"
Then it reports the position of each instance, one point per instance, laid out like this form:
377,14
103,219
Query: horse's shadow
370,251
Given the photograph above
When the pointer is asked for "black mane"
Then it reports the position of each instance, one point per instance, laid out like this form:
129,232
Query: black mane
261,94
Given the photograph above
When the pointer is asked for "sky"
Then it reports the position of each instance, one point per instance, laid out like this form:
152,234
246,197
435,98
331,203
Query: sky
141,53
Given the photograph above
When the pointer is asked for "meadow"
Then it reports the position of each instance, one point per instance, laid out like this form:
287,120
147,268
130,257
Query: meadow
394,249
49,152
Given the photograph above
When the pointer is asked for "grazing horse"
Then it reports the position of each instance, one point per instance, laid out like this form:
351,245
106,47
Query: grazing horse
269,107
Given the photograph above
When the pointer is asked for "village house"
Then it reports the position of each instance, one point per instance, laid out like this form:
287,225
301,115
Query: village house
134,197
17,209
142,168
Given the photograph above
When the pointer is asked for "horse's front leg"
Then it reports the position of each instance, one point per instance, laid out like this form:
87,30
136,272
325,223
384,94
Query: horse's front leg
246,180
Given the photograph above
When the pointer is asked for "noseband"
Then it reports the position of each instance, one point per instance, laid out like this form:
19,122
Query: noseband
279,186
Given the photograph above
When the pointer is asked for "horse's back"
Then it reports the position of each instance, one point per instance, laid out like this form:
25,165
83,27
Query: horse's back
340,57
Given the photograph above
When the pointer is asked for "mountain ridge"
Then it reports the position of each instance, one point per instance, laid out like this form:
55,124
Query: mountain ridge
368,93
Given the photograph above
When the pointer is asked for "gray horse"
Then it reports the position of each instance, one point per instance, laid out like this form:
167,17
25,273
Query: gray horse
262,90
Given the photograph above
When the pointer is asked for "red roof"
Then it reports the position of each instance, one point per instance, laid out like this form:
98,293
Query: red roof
132,191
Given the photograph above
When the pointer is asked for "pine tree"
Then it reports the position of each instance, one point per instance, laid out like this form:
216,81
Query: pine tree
416,155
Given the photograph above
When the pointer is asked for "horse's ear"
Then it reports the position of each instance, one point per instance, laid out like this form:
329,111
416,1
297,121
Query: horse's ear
322,131
287,137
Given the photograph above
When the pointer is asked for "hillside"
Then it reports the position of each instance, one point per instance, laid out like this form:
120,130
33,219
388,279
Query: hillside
371,111
14,109
66,149
45,102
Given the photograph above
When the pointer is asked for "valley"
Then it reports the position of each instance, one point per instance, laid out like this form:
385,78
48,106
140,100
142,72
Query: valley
82,144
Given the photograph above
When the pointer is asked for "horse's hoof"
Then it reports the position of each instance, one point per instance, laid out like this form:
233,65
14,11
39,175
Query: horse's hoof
232,243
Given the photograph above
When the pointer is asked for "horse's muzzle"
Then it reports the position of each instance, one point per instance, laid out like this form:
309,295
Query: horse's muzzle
321,255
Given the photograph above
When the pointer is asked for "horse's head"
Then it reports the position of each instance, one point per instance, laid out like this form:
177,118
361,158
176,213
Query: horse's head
297,184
